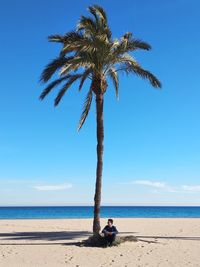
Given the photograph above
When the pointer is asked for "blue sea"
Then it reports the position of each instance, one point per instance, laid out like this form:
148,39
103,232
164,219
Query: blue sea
60,212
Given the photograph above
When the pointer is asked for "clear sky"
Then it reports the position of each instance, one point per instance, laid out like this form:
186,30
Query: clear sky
152,137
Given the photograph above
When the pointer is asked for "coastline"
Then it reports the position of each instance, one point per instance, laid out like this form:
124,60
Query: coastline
54,242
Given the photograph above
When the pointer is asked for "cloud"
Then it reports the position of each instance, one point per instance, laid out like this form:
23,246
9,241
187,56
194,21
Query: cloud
191,188
150,183
183,189
52,187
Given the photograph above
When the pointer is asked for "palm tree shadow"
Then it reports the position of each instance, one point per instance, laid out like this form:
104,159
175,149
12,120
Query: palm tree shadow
53,238
59,238
185,238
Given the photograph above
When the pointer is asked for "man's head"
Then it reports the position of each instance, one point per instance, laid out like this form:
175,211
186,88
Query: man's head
110,222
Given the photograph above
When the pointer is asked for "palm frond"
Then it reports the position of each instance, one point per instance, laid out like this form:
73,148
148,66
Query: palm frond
101,20
52,67
92,10
83,60
56,38
86,109
108,33
127,36
73,41
81,45
86,24
101,13
119,60
114,77
62,91
130,65
145,74
51,86
72,36
84,77
137,44
126,46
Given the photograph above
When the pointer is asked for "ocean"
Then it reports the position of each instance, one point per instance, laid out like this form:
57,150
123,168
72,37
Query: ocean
61,212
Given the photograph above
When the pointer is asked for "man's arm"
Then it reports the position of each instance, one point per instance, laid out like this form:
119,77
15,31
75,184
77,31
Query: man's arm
104,231
114,230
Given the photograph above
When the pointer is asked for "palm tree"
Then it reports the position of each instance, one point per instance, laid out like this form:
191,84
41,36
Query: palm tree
91,53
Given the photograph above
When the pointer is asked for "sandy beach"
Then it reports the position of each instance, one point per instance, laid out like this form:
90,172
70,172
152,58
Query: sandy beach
161,242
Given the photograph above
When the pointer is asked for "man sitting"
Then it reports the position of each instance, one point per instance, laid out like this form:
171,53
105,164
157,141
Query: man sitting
109,232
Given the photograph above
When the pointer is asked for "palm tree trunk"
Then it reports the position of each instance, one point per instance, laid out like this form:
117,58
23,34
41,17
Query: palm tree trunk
100,137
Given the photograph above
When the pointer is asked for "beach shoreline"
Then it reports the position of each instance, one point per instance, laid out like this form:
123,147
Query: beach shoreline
55,242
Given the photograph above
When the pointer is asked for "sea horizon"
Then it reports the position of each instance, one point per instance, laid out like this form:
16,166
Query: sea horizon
81,212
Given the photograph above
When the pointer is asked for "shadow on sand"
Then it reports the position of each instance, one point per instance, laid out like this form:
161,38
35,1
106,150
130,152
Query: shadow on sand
193,238
53,238
58,238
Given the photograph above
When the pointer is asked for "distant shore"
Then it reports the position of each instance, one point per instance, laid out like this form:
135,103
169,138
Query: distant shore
55,242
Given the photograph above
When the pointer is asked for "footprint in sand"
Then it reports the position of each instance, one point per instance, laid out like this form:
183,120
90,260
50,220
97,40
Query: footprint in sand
69,259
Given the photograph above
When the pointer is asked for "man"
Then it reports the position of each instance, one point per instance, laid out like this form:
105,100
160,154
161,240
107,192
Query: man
109,232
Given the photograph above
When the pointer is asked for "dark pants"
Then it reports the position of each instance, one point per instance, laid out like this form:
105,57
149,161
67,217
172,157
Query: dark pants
109,239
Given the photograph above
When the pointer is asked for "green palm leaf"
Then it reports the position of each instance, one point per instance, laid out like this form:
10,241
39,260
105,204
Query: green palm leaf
114,77
86,109
62,91
84,77
51,86
86,24
100,12
52,67
145,74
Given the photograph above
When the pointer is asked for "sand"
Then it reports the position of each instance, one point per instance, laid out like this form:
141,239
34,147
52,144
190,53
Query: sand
161,242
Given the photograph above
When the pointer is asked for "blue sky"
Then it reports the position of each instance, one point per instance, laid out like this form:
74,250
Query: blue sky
152,144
